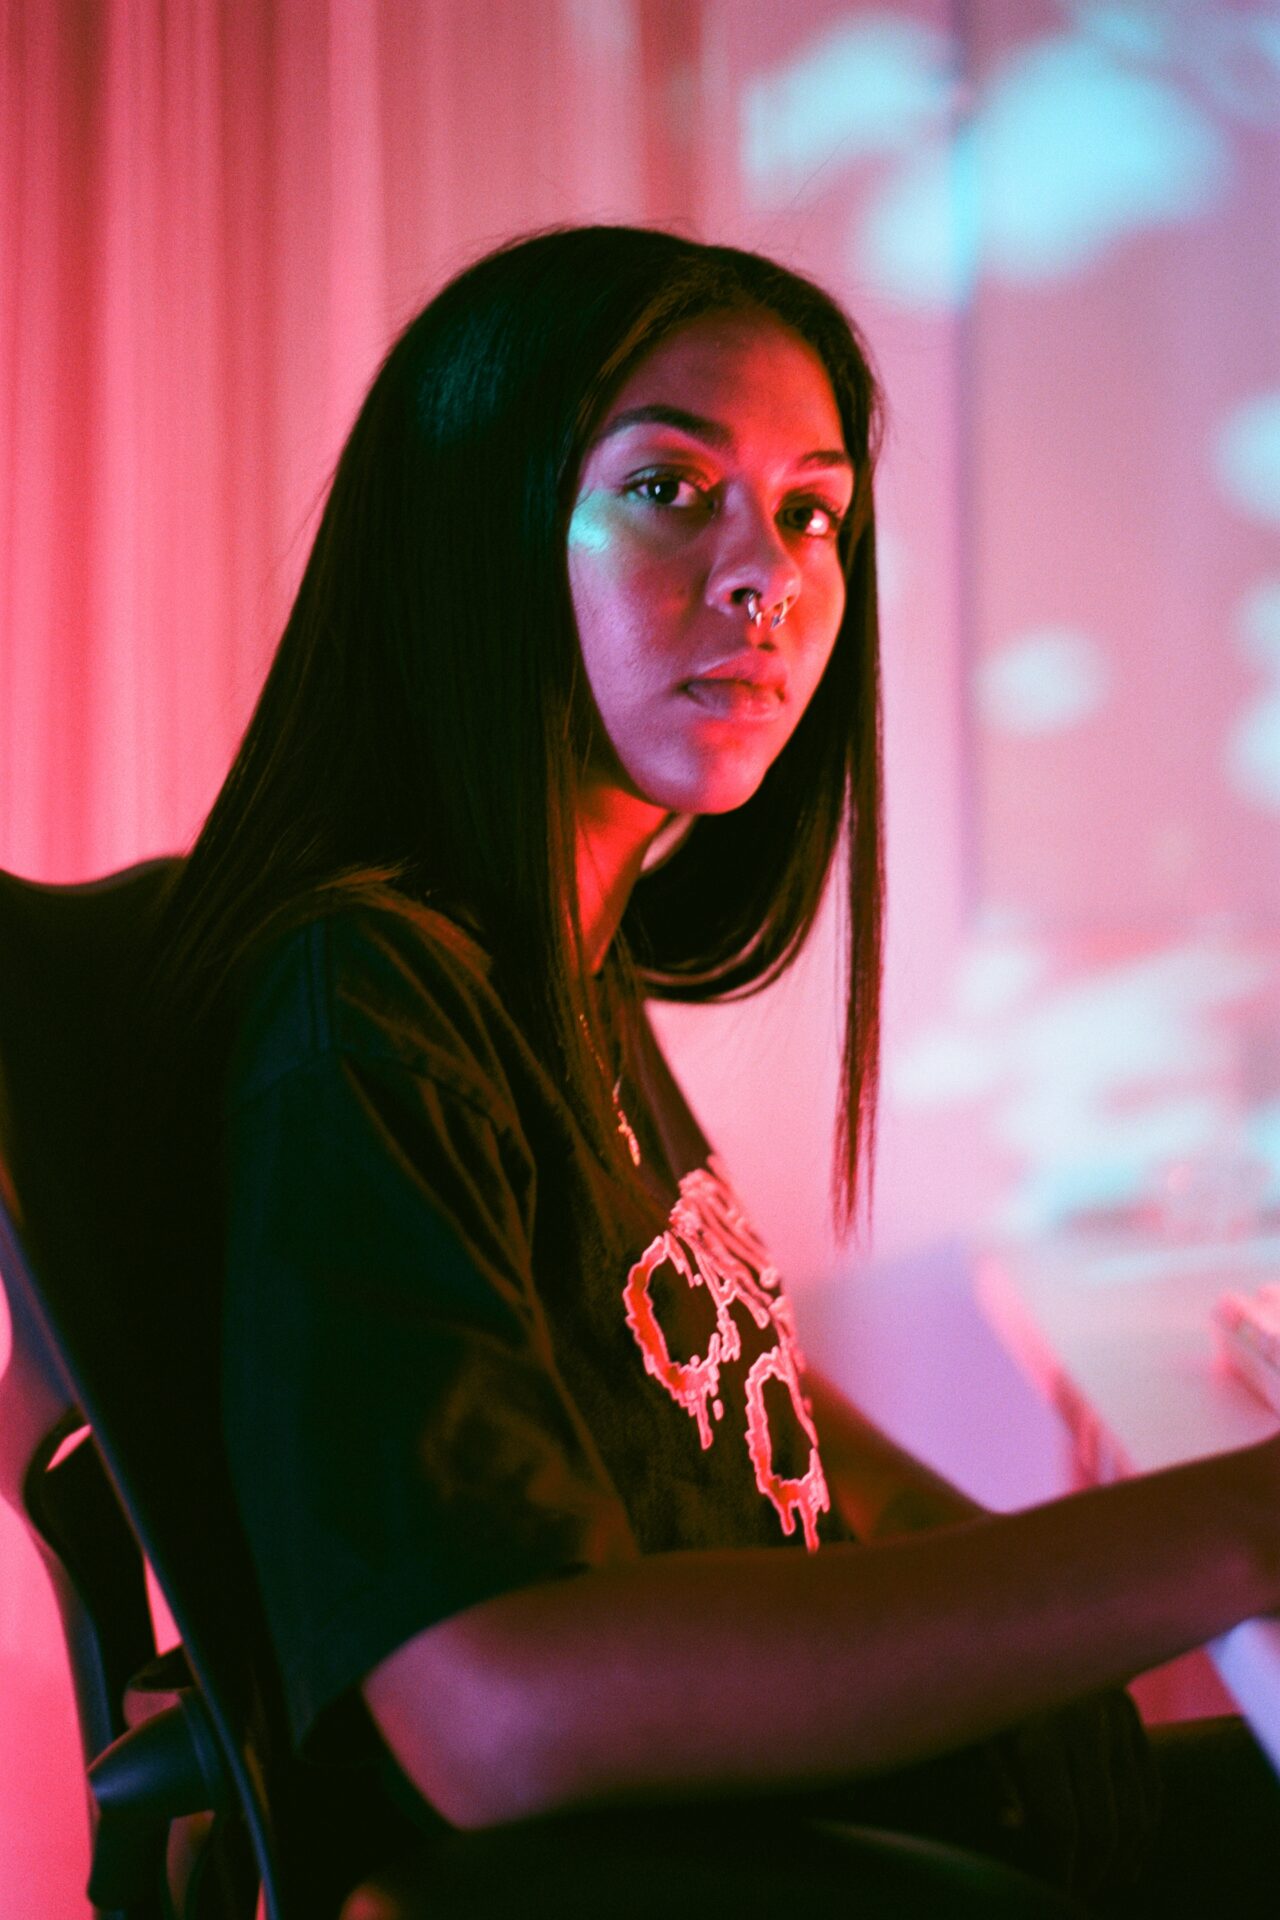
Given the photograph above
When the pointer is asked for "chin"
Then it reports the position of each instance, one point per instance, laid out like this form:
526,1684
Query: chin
721,792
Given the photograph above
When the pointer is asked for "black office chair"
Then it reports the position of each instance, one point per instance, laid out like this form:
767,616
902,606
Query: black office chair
106,1415
109,1450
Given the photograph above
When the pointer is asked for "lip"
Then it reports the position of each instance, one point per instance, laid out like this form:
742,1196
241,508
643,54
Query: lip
748,685
727,698
747,668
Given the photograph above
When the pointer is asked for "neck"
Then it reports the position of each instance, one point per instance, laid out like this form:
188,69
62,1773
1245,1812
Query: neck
614,832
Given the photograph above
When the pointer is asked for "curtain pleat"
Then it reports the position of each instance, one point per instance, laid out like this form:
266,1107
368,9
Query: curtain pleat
215,218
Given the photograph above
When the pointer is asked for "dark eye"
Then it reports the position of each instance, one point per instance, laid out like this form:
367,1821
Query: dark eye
665,490
818,519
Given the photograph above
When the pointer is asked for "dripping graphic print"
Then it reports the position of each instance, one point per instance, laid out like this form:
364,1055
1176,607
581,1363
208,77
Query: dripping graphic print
710,1244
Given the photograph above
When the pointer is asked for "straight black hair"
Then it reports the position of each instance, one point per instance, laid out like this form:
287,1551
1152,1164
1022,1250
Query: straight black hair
417,733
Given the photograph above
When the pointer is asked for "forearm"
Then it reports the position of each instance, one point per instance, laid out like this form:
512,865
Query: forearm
763,1669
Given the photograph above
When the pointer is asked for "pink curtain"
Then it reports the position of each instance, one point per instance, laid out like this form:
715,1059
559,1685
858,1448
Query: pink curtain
214,218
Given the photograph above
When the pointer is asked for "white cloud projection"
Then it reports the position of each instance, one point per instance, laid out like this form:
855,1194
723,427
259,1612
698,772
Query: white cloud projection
1253,759
1069,150
1253,748
1066,147
873,85
1231,51
1247,457
1096,1085
1043,682
1103,174
1262,1132
1258,625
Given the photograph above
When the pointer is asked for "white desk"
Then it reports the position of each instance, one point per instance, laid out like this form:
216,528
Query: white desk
1118,1336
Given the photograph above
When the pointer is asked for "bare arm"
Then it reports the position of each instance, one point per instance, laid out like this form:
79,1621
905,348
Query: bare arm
721,1672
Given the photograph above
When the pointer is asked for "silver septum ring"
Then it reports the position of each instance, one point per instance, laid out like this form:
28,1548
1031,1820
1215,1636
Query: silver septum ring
756,610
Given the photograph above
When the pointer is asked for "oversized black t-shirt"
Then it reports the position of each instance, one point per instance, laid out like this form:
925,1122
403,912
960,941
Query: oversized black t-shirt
459,1359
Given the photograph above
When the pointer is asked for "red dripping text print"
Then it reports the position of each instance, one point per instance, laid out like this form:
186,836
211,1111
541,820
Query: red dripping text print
710,1243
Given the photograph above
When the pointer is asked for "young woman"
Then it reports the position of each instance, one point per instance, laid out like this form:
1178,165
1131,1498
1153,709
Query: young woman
578,704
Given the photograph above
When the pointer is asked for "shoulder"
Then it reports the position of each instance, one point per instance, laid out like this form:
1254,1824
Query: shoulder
393,982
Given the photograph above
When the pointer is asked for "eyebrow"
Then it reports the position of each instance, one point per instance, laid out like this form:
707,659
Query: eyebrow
714,432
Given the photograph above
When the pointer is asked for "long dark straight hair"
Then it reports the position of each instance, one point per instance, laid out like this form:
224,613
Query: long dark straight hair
416,737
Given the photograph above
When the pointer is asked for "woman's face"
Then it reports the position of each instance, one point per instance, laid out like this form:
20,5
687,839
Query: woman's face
719,472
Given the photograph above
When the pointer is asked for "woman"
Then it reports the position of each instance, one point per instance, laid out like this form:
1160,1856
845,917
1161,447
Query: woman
577,699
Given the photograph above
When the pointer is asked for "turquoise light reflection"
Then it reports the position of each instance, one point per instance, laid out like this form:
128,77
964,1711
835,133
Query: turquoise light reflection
590,527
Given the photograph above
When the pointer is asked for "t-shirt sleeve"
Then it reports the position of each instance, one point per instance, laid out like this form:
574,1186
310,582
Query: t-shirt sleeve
400,1438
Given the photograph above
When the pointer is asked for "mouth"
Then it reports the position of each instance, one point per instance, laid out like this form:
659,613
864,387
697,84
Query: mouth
728,698
748,685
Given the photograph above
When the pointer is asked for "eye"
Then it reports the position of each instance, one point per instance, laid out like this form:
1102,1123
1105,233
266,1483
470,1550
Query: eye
664,489
816,519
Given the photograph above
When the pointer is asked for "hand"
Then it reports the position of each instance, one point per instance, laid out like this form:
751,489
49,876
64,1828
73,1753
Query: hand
1079,1789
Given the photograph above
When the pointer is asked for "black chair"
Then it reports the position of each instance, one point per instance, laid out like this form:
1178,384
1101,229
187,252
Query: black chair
109,1450
106,1413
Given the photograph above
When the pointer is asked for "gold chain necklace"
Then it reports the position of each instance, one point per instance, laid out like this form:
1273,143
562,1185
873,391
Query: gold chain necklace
625,1127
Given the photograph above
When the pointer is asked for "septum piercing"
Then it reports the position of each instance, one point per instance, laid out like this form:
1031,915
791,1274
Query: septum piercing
756,609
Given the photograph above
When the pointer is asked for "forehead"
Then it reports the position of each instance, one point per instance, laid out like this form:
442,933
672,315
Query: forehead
747,371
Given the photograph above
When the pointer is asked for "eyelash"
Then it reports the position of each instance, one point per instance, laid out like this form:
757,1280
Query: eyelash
662,477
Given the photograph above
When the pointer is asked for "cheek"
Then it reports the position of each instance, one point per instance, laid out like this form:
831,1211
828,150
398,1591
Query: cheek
616,656
600,584
827,605
622,564
625,606
822,655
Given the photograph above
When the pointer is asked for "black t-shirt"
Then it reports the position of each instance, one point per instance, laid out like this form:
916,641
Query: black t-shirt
458,1358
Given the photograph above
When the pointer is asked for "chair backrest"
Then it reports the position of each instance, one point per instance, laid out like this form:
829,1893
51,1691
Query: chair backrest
102,1338
110,1258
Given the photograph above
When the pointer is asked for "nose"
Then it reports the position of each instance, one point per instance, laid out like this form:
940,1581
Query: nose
754,573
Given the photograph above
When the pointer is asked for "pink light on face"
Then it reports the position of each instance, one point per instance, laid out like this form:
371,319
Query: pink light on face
710,1241
719,471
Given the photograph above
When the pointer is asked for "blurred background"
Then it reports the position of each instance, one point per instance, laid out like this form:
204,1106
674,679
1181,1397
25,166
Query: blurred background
1058,223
